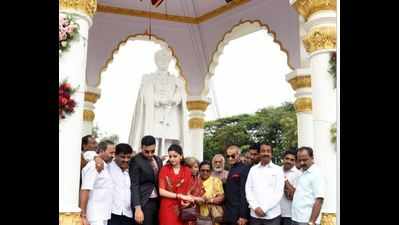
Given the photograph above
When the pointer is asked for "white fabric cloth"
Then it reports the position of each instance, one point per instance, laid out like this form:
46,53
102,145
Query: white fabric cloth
154,193
100,186
265,188
89,155
292,177
310,185
98,222
121,197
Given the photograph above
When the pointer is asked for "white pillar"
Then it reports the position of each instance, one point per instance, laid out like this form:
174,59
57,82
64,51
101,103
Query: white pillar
72,66
92,94
301,83
320,42
197,106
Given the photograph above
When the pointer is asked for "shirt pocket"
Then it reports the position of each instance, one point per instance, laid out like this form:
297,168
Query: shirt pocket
271,180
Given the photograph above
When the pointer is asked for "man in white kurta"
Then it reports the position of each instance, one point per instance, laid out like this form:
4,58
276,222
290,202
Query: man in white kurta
96,189
291,174
119,169
264,189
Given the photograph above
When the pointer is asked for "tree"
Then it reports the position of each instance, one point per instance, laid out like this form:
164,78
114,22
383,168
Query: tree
273,125
98,134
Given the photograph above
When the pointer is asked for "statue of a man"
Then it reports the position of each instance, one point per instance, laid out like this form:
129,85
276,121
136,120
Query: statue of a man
161,109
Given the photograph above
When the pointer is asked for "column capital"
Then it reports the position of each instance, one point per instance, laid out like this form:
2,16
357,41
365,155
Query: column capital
308,7
303,104
320,38
92,94
196,123
197,103
299,78
69,218
88,115
87,7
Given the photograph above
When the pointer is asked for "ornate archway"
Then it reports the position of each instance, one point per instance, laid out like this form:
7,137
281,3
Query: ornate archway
238,30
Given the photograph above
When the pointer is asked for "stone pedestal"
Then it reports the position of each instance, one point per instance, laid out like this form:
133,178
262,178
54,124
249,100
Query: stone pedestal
72,66
197,106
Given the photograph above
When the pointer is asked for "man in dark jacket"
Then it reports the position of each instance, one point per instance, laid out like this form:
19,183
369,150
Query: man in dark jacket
236,209
144,169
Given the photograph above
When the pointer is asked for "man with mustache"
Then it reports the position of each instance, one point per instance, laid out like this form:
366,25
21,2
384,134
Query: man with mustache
253,154
97,188
121,200
264,189
291,174
218,168
309,192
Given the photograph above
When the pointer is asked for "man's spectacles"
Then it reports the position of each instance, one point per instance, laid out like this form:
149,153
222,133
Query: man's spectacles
233,156
202,170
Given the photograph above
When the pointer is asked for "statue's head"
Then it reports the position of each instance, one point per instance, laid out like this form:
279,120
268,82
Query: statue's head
162,59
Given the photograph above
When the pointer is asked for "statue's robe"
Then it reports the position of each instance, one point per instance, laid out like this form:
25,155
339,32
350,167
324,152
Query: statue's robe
146,118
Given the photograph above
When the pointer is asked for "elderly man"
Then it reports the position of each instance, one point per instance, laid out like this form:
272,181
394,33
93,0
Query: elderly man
236,209
218,168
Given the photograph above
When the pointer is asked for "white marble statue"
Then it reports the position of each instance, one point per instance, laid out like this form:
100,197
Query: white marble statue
161,109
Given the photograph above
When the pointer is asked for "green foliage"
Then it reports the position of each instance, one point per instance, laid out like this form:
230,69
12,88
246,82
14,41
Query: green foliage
274,125
333,67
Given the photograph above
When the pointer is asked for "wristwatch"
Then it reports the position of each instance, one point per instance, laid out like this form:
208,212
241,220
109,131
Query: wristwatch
311,223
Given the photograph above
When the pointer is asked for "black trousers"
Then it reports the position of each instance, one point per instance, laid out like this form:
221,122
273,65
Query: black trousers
297,223
256,221
151,212
286,221
120,220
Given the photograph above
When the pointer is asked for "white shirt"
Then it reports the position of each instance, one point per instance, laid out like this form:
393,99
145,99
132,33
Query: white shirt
89,155
264,188
121,197
292,176
310,185
100,195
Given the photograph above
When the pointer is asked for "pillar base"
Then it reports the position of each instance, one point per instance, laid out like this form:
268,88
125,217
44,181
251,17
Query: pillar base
69,218
328,219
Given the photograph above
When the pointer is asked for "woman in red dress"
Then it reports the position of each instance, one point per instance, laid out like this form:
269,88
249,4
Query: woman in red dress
175,181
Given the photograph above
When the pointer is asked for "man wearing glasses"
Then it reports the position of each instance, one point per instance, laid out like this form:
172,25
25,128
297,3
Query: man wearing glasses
236,209
144,169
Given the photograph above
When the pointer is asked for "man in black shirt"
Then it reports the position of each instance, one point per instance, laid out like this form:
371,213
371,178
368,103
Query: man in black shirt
236,209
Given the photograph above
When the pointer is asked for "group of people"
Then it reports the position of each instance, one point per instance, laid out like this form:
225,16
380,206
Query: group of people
119,187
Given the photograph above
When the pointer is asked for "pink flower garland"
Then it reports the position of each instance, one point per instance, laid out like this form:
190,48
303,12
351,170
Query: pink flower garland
68,31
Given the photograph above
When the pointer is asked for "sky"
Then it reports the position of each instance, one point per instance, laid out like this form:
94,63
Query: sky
250,75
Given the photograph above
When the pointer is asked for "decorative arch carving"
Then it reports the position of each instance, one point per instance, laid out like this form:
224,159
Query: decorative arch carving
238,30
155,39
